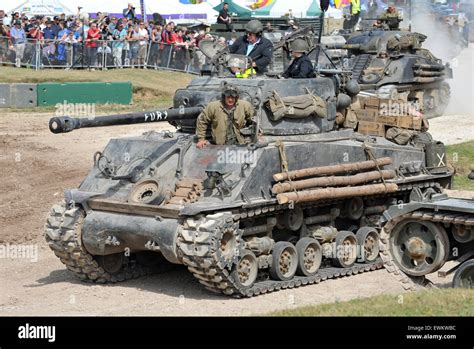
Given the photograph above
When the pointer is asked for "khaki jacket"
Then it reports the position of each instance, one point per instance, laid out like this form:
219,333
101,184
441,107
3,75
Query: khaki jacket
214,114
394,14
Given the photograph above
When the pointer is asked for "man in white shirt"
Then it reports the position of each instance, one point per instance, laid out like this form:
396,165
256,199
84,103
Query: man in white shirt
143,35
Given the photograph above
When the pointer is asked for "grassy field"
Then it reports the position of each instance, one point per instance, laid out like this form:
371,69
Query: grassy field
461,157
445,302
151,88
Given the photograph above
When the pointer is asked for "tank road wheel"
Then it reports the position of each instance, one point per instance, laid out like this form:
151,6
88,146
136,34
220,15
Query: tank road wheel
354,208
346,249
228,247
293,219
246,270
63,235
284,261
112,263
440,103
464,276
211,247
436,105
310,255
419,247
369,244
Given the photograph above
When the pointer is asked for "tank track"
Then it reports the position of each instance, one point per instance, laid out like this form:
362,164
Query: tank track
448,218
62,234
200,245
199,248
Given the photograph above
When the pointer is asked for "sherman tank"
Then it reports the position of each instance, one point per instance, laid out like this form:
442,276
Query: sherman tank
302,201
298,204
392,64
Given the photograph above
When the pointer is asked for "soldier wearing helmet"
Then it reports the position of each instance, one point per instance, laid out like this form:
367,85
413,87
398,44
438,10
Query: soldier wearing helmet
301,66
226,117
392,17
255,46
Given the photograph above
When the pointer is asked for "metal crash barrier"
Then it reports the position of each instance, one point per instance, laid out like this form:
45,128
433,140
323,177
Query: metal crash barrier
106,54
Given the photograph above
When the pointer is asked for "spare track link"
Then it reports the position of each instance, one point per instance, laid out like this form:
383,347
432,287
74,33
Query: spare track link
199,243
62,234
409,282
188,190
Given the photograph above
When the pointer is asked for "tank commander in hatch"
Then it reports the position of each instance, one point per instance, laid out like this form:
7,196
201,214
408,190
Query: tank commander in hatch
226,117
255,46
392,17
301,66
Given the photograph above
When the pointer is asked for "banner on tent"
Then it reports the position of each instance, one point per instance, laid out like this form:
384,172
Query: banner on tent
260,4
192,2
42,7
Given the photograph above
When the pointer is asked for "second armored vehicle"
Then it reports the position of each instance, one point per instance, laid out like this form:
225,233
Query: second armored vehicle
393,65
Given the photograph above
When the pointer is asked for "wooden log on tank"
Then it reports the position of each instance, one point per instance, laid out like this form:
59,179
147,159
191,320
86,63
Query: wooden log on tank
336,193
332,170
334,181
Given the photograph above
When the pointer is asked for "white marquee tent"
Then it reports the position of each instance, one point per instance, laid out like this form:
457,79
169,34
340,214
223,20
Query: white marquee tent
169,9
37,7
277,8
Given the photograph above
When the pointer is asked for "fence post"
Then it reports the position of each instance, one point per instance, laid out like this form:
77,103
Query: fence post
170,55
37,55
147,58
104,55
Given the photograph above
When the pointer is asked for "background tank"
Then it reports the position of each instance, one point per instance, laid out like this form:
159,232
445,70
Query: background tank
393,64
301,202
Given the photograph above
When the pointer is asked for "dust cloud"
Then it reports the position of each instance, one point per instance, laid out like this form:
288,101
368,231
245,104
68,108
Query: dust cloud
444,43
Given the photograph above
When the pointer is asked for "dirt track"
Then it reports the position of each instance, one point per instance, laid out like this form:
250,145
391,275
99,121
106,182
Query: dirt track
36,167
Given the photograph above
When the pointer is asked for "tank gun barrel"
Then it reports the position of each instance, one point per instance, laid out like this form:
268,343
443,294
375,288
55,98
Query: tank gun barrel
296,34
65,124
383,19
339,46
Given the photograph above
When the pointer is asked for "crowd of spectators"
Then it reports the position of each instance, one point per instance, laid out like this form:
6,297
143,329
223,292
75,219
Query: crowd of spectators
102,41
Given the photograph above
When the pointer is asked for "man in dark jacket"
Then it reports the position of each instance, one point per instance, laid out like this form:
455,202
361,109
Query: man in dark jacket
254,46
301,66
129,12
224,17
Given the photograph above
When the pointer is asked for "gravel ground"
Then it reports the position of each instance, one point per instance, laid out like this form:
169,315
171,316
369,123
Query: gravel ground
453,129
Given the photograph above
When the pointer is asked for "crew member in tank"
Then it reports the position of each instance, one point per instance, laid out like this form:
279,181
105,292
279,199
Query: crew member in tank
392,16
227,117
301,66
255,46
